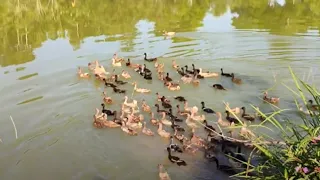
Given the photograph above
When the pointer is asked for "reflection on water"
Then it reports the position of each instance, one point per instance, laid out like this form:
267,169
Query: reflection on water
257,40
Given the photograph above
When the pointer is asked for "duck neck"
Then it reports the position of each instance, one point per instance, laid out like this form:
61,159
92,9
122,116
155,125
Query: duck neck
203,106
157,108
145,56
243,111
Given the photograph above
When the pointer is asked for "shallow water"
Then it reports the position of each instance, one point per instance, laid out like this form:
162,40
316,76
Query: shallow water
53,109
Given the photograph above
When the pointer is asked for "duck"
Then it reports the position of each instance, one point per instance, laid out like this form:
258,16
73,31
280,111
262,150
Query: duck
182,113
145,107
163,175
188,71
177,127
118,81
96,68
181,71
235,80
109,84
106,111
154,121
162,132
191,123
164,103
128,130
261,117
133,104
120,91
188,146
110,124
106,98
132,124
147,77
180,98
129,64
81,74
140,90
207,74
218,86
194,69
174,147
207,110
247,133
160,111
167,78
116,119
165,33
116,62
235,110
125,74
197,118
272,100
246,116
146,70
231,119
164,120
313,107
147,131
186,79
225,74
179,137
174,64
149,59
207,127
172,87
186,107
196,140
225,168
195,80
159,97
174,118
175,159
221,122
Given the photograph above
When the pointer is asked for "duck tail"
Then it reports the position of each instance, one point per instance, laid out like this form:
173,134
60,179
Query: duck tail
181,163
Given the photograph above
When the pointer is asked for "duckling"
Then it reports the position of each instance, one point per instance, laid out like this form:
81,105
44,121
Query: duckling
165,33
149,59
225,74
163,175
164,120
180,98
174,64
218,86
175,159
109,84
222,122
182,113
106,111
177,127
227,169
194,69
162,132
174,147
272,100
207,127
125,74
140,90
147,131
160,111
207,74
191,123
128,130
154,121
147,77
207,110
246,116
120,91
313,107
196,140
235,80
235,110
107,99
167,78
118,81
172,87
231,119
188,71
81,74
145,107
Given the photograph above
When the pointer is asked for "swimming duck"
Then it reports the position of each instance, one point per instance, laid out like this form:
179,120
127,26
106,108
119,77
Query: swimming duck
109,84
186,79
175,159
163,175
107,99
134,125
180,98
164,120
120,91
194,69
147,77
160,111
246,116
162,132
207,74
182,113
207,127
191,123
147,131
272,100
133,104
174,118
218,86
116,62
188,146
186,107
174,64
167,78
118,81
106,111
231,119
176,126
195,80
81,74
173,87
247,133
145,107
154,121
159,98
149,59
259,116
313,107
196,140
96,68
188,71
125,74
169,33
179,137
222,122
181,71
164,103
197,118
140,90
128,130
110,124
174,147
225,74
207,110
116,119
235,80
129,64
235,110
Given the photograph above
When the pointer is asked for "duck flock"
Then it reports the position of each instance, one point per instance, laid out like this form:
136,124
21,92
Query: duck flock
172,126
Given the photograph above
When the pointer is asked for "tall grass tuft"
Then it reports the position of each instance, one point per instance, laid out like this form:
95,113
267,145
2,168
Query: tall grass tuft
299,156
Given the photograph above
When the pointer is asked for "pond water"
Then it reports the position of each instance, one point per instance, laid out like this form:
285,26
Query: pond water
43,42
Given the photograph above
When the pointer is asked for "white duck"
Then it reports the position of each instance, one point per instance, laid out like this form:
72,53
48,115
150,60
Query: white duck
207,74
162,132
235,110
164,120
132,105
191,123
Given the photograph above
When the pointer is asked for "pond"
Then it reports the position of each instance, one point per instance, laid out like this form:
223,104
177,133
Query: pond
44,41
